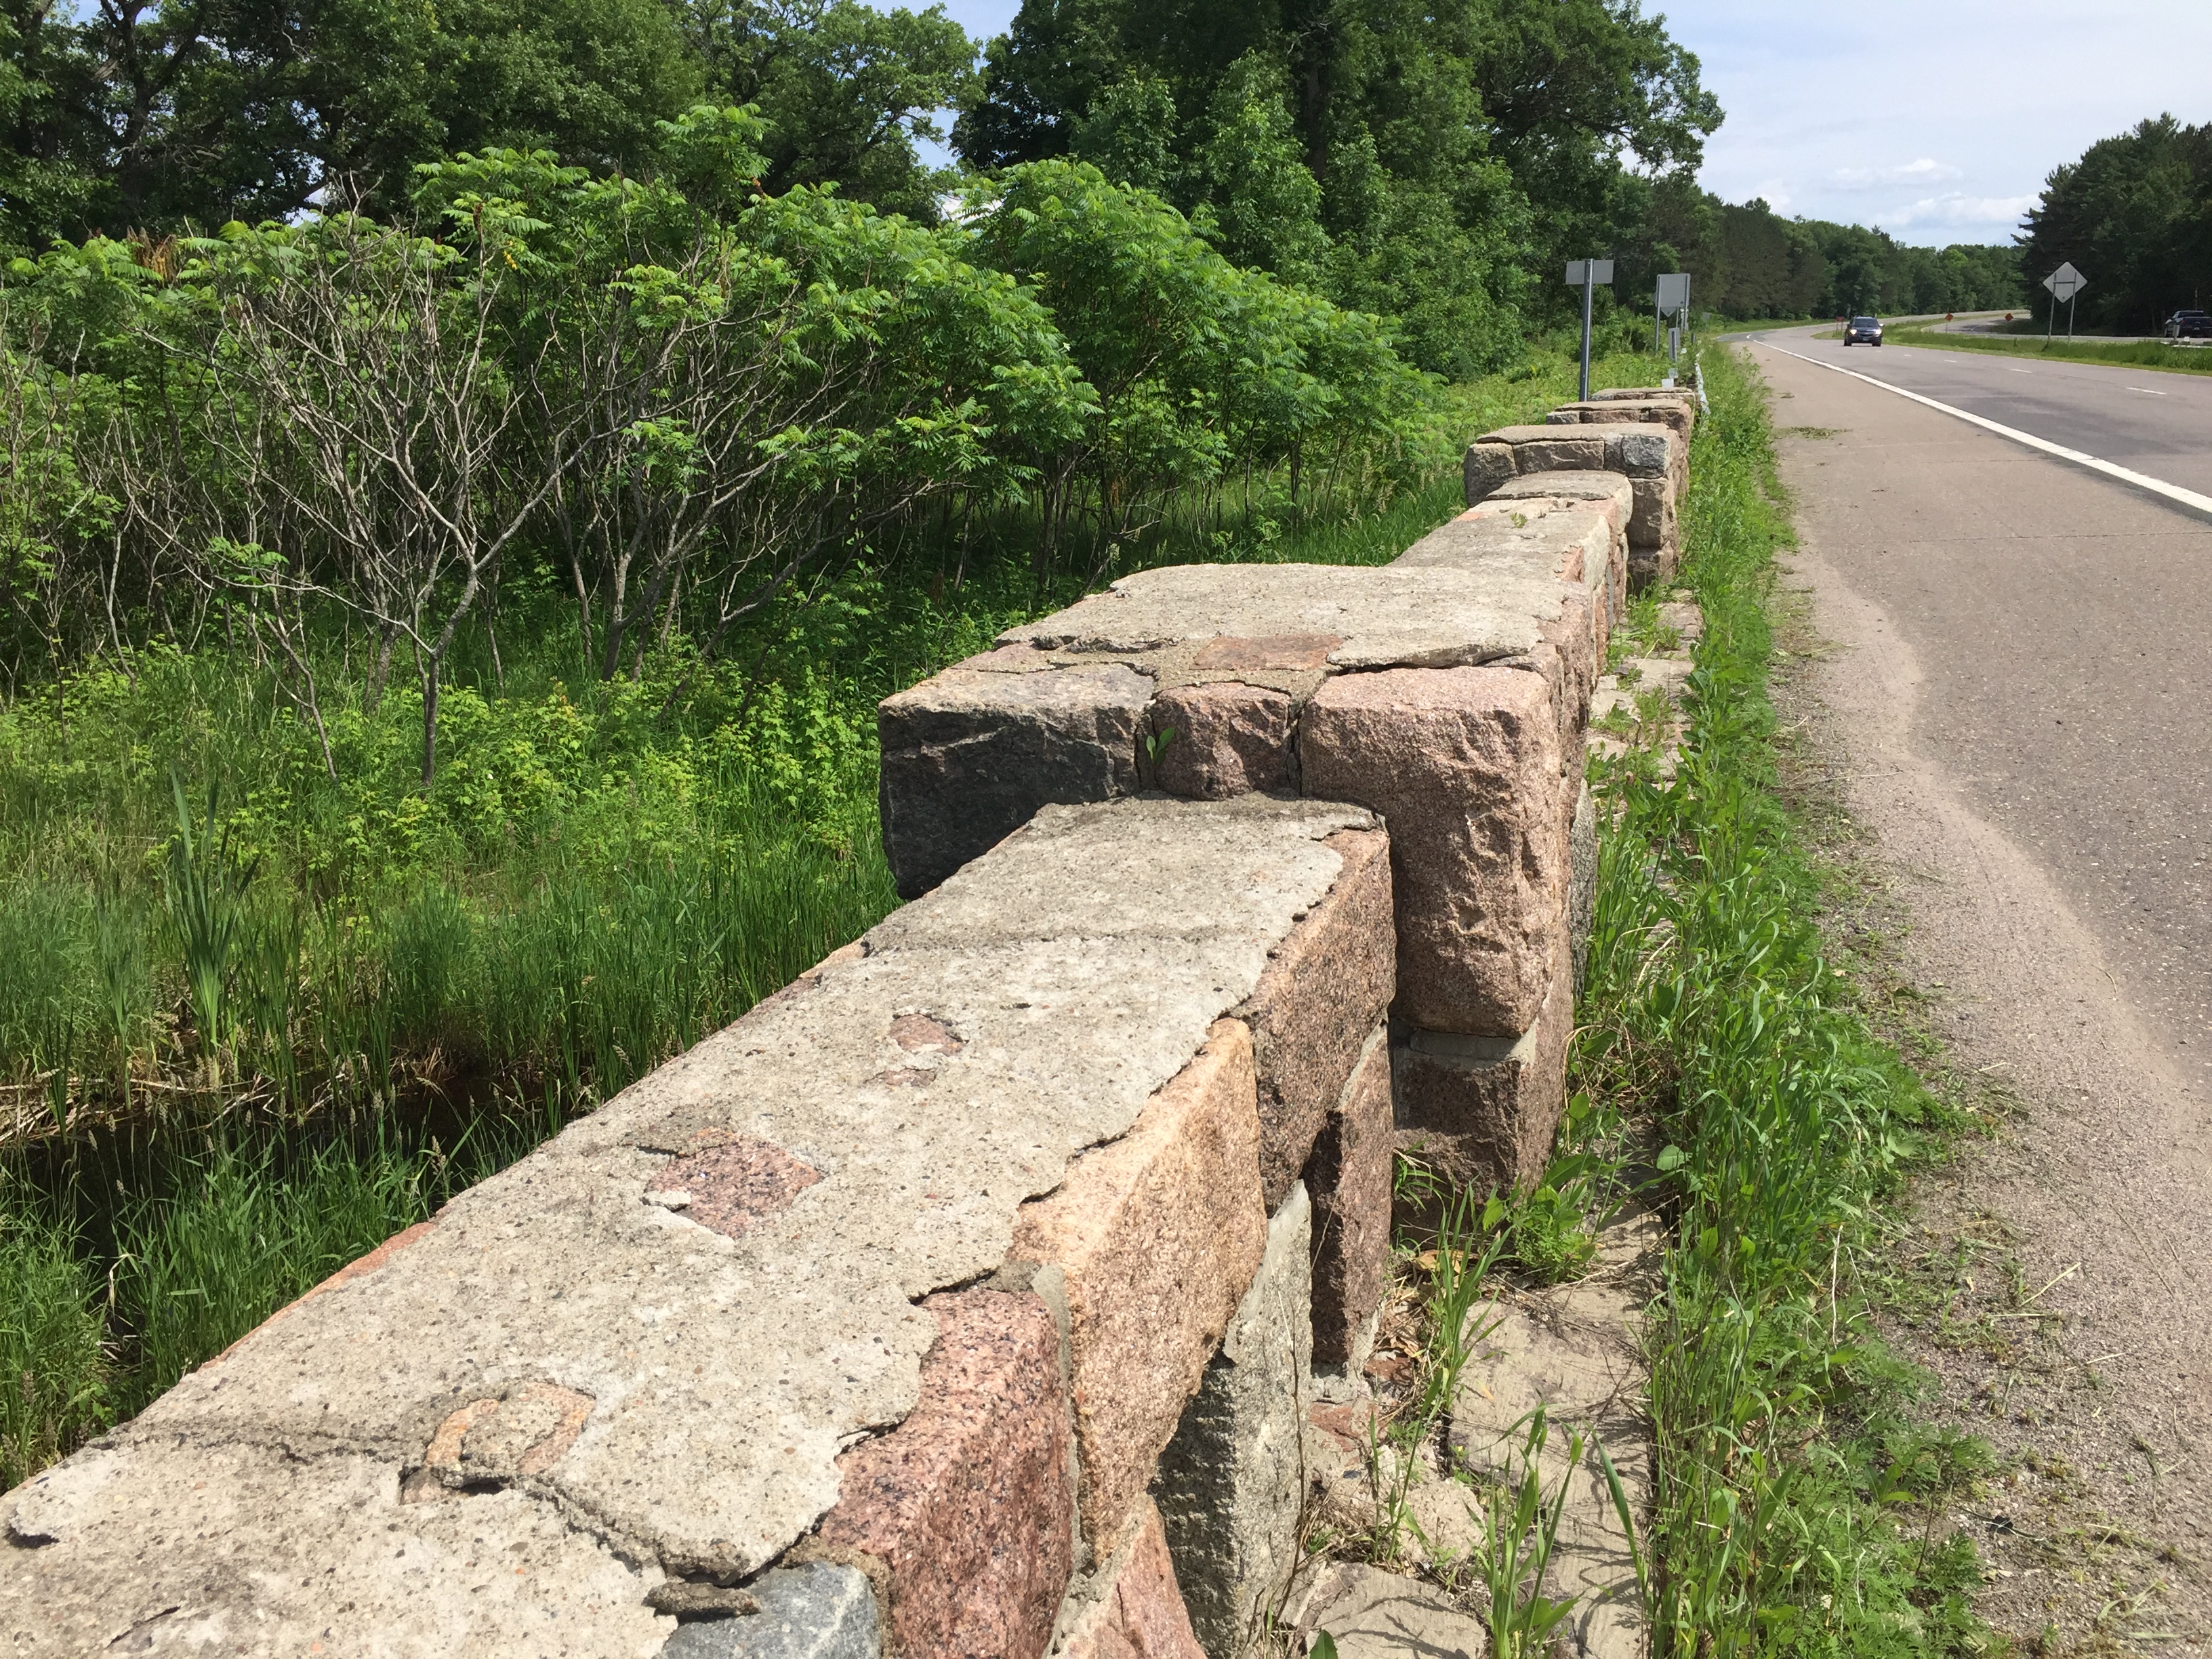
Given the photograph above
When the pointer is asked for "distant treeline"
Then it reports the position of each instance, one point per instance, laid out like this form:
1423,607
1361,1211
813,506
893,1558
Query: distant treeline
2134,216
1749,261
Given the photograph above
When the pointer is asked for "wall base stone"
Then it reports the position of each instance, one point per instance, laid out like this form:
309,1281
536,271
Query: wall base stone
1484,1111
819,1611
1326,987
1156,1238
967,1510
1349,1181
1131,1607
1655,534
1232,1481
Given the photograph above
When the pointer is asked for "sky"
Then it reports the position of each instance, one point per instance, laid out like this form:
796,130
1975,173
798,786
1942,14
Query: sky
1936,120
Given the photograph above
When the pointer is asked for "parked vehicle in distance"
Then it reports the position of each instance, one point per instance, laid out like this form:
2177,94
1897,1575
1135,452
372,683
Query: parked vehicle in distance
2189,326
1862,330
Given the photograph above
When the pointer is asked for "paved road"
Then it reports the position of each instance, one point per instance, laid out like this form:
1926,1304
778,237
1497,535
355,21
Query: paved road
2020,709
2149,422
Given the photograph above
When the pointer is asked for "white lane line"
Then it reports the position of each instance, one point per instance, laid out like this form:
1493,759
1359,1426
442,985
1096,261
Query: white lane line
2141,480
2147,392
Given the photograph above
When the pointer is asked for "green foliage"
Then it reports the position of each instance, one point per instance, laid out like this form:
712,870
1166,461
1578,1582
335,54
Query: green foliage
2133,213
1197,366
243,1236
1782,1462
247,113
54,1375
1416,162
1265,205
846,90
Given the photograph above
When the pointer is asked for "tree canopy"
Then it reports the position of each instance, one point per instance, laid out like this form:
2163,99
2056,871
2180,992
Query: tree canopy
152,114
2134,214
1413,161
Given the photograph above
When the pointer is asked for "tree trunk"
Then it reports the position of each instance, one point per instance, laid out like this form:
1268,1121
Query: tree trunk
431,666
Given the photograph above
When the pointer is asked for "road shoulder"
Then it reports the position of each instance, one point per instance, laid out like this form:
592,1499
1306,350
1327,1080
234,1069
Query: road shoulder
2042,1278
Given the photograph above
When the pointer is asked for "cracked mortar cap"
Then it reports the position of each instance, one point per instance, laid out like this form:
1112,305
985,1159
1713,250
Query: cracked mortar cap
1378,617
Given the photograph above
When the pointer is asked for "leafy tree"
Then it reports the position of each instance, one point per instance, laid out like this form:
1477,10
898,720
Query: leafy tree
49,152
1437,140
203,111
1130,135
1200,367
2133,213
1265,202
846,89
1568,86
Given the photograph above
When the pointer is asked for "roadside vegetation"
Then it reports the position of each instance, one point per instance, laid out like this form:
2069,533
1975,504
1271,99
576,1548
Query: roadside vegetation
2082,348
1799,1507
2134,214
1727,1075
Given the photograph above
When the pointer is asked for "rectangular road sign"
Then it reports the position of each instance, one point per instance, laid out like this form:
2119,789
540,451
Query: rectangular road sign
2065,282
1601,276
1674,292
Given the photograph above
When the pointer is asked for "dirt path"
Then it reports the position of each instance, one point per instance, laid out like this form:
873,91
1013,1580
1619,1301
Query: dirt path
1978,601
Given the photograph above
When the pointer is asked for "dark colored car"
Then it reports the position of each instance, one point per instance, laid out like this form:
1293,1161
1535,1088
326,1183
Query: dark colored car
1862,330
2189,326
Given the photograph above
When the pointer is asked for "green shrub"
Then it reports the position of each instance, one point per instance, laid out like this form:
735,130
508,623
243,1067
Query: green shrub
54,1375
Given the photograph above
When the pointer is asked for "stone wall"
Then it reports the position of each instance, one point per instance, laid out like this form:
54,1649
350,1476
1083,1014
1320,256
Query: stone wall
969,1294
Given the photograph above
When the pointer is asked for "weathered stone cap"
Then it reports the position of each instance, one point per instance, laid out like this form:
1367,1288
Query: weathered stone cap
1613,487
1581,542
1637,449
641,1351
1639,394
1335,616
1676,414
1565,539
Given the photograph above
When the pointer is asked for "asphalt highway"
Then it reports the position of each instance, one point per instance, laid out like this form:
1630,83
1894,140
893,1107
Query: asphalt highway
2014,686
2159,423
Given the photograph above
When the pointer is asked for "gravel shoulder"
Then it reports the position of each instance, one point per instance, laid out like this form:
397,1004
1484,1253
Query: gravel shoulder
1995,683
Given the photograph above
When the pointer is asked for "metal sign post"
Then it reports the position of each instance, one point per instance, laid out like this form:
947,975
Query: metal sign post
2064,283
1589,276
1672,299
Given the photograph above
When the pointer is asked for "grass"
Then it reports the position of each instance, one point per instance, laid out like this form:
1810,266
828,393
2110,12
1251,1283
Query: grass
1727,1073
1798,1506
2136,354
255,1017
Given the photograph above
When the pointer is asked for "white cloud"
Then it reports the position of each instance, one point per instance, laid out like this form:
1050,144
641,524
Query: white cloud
1775,193
1955,207
1925,171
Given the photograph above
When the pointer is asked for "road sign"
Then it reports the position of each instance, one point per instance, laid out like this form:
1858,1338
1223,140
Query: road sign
1674,292
1587,274
2065,282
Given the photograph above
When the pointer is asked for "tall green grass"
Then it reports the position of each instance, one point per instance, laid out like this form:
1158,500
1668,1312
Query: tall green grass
1785,1447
